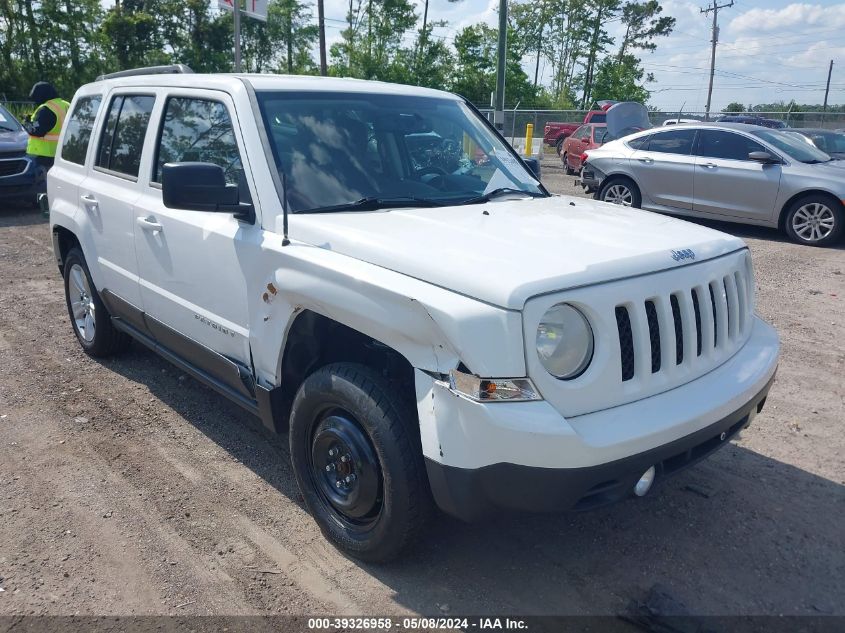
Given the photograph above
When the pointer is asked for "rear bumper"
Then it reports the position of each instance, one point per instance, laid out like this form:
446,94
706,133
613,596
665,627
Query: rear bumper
474,493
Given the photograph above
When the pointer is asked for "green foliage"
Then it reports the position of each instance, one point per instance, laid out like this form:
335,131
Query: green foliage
621,79
70,42
734,107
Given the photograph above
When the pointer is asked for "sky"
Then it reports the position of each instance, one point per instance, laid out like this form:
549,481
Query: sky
769,50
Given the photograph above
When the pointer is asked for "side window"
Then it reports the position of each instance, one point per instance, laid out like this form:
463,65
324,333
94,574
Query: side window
583,133
599,134
640,142
674,142
79,127
123,136
726,145
198,130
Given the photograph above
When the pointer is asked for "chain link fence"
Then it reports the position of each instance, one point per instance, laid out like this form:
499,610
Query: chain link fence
516,120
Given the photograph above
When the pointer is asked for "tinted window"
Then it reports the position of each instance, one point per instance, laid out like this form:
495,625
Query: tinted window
123,137
727,145
79,127
640,142
198,130
793,144
599,118
674,142
599,134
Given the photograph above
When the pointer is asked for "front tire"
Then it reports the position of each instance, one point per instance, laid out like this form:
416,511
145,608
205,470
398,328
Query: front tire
559,146
622,191
89,318
357,458
815,220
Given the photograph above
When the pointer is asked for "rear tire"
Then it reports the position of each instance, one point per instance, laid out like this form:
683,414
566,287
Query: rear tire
357,458
90,320
622,191
566,168
559,146
815,220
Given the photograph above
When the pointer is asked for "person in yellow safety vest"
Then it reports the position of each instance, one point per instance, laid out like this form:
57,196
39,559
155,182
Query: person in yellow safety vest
45,123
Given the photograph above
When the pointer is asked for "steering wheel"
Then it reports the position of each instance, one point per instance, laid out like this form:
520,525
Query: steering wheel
431,169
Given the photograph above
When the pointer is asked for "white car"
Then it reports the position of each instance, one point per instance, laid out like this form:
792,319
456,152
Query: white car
679,121
448,334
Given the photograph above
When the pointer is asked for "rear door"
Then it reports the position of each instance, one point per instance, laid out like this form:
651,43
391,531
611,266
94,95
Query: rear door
192,262
665,169
109,192
72,155
728,183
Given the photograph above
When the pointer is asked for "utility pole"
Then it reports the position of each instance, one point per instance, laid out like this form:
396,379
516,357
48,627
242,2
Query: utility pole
827,90
236,10
499,112
715,9
321,22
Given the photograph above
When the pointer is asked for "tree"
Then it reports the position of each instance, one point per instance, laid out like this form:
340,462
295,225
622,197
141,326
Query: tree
621,80
642,24
734,107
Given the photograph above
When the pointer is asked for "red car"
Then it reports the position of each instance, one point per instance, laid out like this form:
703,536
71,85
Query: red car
554,133
586,137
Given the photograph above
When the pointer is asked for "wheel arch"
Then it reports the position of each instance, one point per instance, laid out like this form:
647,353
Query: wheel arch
314,340
63,240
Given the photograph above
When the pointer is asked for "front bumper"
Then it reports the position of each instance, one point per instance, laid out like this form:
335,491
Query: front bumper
472,494
25,184
528,457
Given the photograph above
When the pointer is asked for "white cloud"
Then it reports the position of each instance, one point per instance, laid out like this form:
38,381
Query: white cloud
788,18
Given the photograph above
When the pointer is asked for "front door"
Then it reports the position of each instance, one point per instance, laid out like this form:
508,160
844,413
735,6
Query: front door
192,262
727,183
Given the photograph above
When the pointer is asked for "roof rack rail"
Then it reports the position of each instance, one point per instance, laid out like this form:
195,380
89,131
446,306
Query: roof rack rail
172,69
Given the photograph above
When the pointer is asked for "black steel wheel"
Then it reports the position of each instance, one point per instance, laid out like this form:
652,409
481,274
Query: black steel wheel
357,457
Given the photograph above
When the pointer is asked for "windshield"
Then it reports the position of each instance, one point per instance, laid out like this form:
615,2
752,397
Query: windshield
8,123
335,149
829,142
793,145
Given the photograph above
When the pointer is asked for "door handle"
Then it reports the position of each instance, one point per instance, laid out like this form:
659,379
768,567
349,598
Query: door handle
709,165
646,160
149,224
89,199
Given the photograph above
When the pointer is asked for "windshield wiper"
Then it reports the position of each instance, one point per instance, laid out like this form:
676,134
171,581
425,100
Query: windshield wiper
372,203
501,191
7,129
816,161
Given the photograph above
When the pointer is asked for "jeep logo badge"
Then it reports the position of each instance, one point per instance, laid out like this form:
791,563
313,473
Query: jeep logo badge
686,253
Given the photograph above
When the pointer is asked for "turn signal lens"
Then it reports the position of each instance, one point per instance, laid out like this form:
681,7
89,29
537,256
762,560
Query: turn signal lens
492,389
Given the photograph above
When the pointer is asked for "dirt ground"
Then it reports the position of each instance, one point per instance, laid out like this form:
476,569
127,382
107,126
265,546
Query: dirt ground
128,488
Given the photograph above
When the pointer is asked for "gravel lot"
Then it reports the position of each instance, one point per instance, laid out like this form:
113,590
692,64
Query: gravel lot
128,488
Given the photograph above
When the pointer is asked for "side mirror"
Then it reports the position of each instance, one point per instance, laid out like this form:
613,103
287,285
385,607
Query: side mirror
534,166
200,187
763,157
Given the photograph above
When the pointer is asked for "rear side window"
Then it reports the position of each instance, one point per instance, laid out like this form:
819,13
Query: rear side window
123,137
599,117
640,142
726,145
599,134
79,127
673,142
198,130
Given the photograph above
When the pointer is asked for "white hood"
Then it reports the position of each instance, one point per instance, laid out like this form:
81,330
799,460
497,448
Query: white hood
506,251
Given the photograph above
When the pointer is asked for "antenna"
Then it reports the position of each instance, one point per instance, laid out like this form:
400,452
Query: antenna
285,240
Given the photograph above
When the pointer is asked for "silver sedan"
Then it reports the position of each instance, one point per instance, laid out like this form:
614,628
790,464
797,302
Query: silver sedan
729,171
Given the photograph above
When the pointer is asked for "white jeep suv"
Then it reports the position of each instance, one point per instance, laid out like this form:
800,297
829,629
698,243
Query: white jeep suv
371,268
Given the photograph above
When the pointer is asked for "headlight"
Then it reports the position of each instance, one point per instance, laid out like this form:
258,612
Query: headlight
564,341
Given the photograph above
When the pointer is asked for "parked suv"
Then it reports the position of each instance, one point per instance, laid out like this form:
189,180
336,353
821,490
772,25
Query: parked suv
448,334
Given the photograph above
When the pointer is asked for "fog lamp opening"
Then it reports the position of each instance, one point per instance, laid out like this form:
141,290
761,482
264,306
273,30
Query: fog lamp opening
645,482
